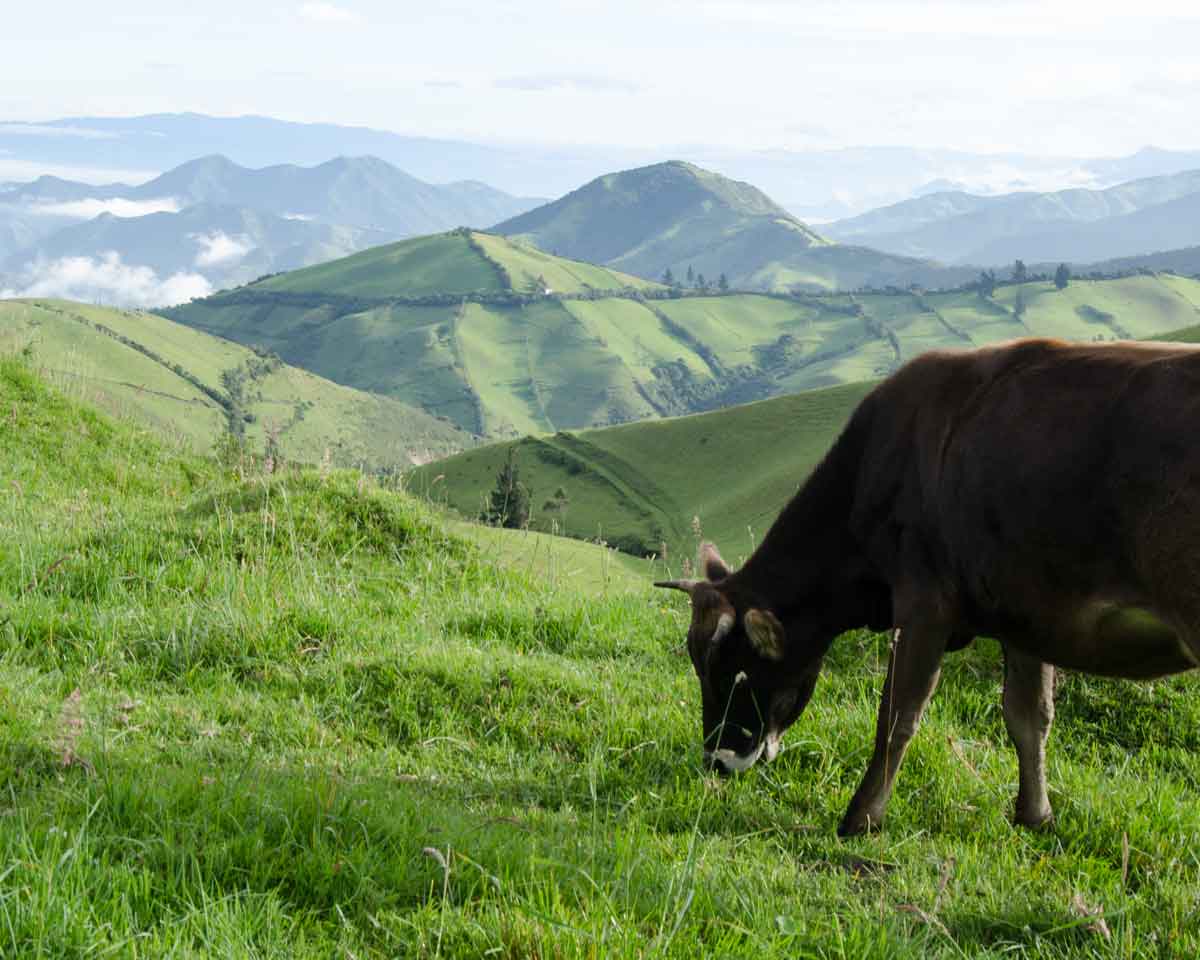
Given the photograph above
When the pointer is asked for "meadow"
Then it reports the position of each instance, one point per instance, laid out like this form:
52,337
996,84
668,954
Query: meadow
295,714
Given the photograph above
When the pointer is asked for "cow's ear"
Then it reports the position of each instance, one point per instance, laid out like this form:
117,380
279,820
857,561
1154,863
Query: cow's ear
711,564
765,633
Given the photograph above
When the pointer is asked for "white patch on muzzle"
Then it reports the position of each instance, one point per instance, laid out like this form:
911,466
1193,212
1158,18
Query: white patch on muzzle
734,762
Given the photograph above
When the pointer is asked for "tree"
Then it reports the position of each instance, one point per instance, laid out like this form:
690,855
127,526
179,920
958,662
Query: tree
701,283
690,276
668,277
558,504
1062,276
987,283
723,283
508,503
1020,273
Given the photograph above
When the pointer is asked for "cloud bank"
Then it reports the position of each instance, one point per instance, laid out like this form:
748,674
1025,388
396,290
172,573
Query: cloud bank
219,248
92,207
106,279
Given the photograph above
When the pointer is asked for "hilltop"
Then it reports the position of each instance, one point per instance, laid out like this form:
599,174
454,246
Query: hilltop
461,324
195,388
678,217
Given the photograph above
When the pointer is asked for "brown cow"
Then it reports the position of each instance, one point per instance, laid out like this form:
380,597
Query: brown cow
1042,493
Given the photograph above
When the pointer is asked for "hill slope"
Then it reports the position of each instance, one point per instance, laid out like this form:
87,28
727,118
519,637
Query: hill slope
457,324
675,216
188,385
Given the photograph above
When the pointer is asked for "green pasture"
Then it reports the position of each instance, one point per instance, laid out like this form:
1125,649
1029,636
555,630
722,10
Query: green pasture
298,715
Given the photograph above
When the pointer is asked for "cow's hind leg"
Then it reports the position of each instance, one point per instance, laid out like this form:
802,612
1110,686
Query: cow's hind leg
913,671
1028,713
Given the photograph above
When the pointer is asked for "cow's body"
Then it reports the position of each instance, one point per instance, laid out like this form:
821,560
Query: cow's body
1042,493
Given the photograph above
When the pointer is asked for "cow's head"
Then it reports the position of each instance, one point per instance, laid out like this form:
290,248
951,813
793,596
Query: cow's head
753,682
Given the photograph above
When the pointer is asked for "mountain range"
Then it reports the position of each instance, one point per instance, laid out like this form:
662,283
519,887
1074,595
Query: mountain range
1134,218
219,224
822,184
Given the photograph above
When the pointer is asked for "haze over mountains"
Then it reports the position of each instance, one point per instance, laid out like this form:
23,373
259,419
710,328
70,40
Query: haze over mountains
813,184
211,223
1138,217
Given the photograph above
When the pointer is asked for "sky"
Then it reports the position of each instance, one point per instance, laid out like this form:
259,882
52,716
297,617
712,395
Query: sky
1067,78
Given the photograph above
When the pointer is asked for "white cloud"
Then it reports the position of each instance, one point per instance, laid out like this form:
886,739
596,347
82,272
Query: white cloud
298,216
91,207
108,280
327,13
219,248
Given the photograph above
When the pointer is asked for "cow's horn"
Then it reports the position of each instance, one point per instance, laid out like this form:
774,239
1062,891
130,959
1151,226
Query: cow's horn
687,586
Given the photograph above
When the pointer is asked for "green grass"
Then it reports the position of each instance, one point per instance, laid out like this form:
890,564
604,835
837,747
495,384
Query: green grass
503,368
637,486
156,372
255,716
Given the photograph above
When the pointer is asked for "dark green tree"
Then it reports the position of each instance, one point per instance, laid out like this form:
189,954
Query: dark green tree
723,283
986,284
701,283
508,503
690,276
1062,276
668,277
1020,273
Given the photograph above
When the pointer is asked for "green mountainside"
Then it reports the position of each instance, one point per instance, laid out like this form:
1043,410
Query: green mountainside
191,386
676,216
460,324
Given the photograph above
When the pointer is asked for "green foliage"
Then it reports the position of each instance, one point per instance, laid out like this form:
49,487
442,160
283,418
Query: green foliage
1020,273
508,503
1062,277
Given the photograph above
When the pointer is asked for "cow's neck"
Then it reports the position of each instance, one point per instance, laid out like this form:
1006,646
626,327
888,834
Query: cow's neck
808,557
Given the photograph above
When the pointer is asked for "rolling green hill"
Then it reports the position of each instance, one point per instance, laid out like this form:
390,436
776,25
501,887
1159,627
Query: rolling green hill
678,217
727,473
186,384
459,325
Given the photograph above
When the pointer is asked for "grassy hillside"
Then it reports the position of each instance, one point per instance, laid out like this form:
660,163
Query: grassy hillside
678,217
639,486
295,716
178,381
643,485
503,364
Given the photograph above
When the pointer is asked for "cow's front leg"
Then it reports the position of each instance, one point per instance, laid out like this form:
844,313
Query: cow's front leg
913,670
1028,713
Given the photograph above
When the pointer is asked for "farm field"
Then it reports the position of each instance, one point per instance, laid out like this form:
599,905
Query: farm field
300,715
176,380
459,325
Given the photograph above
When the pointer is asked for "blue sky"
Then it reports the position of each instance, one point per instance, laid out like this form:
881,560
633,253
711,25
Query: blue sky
1080,78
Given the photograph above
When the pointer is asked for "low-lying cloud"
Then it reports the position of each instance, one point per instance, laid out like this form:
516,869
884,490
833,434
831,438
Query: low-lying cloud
91,207
106,279
219,248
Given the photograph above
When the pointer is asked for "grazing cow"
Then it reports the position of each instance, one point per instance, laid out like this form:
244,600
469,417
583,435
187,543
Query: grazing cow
1039,492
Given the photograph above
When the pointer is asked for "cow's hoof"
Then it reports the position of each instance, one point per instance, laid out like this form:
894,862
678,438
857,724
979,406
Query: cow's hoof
1035,819
856,824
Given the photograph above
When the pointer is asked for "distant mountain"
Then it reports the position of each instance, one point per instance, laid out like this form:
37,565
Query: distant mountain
1073,225
352,191
225,244
825,184
675,216
217,224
